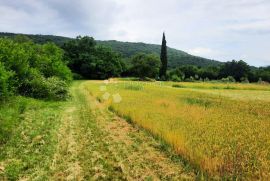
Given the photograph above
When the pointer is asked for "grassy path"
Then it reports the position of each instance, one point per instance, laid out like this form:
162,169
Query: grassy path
95,144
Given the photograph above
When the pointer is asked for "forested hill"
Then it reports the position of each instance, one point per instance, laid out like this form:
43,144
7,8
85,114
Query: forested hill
127,49
41,39
175,57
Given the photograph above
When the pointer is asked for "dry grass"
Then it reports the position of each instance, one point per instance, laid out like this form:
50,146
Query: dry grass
222,132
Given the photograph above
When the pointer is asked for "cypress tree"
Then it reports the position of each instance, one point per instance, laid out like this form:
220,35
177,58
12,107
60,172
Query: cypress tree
163,58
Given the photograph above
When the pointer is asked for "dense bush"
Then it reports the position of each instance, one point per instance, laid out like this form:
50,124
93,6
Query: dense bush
52,88
32,67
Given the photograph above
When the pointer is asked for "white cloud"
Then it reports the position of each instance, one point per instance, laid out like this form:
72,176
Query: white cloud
222,30
204,52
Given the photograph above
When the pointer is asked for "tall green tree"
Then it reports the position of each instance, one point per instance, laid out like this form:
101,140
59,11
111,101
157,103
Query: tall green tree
163,58
145,65
236,69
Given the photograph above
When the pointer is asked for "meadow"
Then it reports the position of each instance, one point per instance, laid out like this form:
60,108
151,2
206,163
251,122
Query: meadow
28,137
221,129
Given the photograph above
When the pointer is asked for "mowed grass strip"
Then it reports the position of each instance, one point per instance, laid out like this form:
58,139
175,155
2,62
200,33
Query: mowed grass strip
225,137
28,138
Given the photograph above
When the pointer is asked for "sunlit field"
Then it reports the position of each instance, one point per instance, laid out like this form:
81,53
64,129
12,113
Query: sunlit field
221,129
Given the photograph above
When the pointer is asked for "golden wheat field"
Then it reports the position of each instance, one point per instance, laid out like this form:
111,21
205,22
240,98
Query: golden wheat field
221,129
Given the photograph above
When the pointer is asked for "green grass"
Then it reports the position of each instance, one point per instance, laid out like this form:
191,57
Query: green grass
27,137
10,112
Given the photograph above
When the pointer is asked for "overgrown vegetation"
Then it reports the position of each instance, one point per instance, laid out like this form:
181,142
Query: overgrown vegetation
91,61
32,70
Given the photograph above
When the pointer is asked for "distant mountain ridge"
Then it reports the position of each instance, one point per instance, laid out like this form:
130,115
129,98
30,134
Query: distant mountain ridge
127,49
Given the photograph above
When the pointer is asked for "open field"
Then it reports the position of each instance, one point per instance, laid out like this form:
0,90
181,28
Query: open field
80,140
221,129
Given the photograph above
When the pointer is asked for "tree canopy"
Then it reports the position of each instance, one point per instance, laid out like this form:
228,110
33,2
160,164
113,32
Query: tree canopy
145,65
91,61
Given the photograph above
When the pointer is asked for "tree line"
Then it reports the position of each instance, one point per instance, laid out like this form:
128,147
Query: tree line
89,60
45,70
128,49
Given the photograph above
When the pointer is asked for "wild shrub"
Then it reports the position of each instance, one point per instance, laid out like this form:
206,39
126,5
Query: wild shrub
37,70
52,88
57,88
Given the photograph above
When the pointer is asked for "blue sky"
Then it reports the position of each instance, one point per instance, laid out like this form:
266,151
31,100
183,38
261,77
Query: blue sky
216,29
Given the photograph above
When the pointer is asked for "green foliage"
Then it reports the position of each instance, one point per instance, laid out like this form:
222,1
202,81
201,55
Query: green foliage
163,58
127,49
204,68
263,73
30,65
52,88
234,71
91,61
50,63
228,79
237,69
4,82
189,70
145,65
108,63
176,75
40,39
175,78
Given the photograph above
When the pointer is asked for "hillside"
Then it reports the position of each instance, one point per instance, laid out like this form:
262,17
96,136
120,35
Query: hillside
176,57
127,49
41,39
